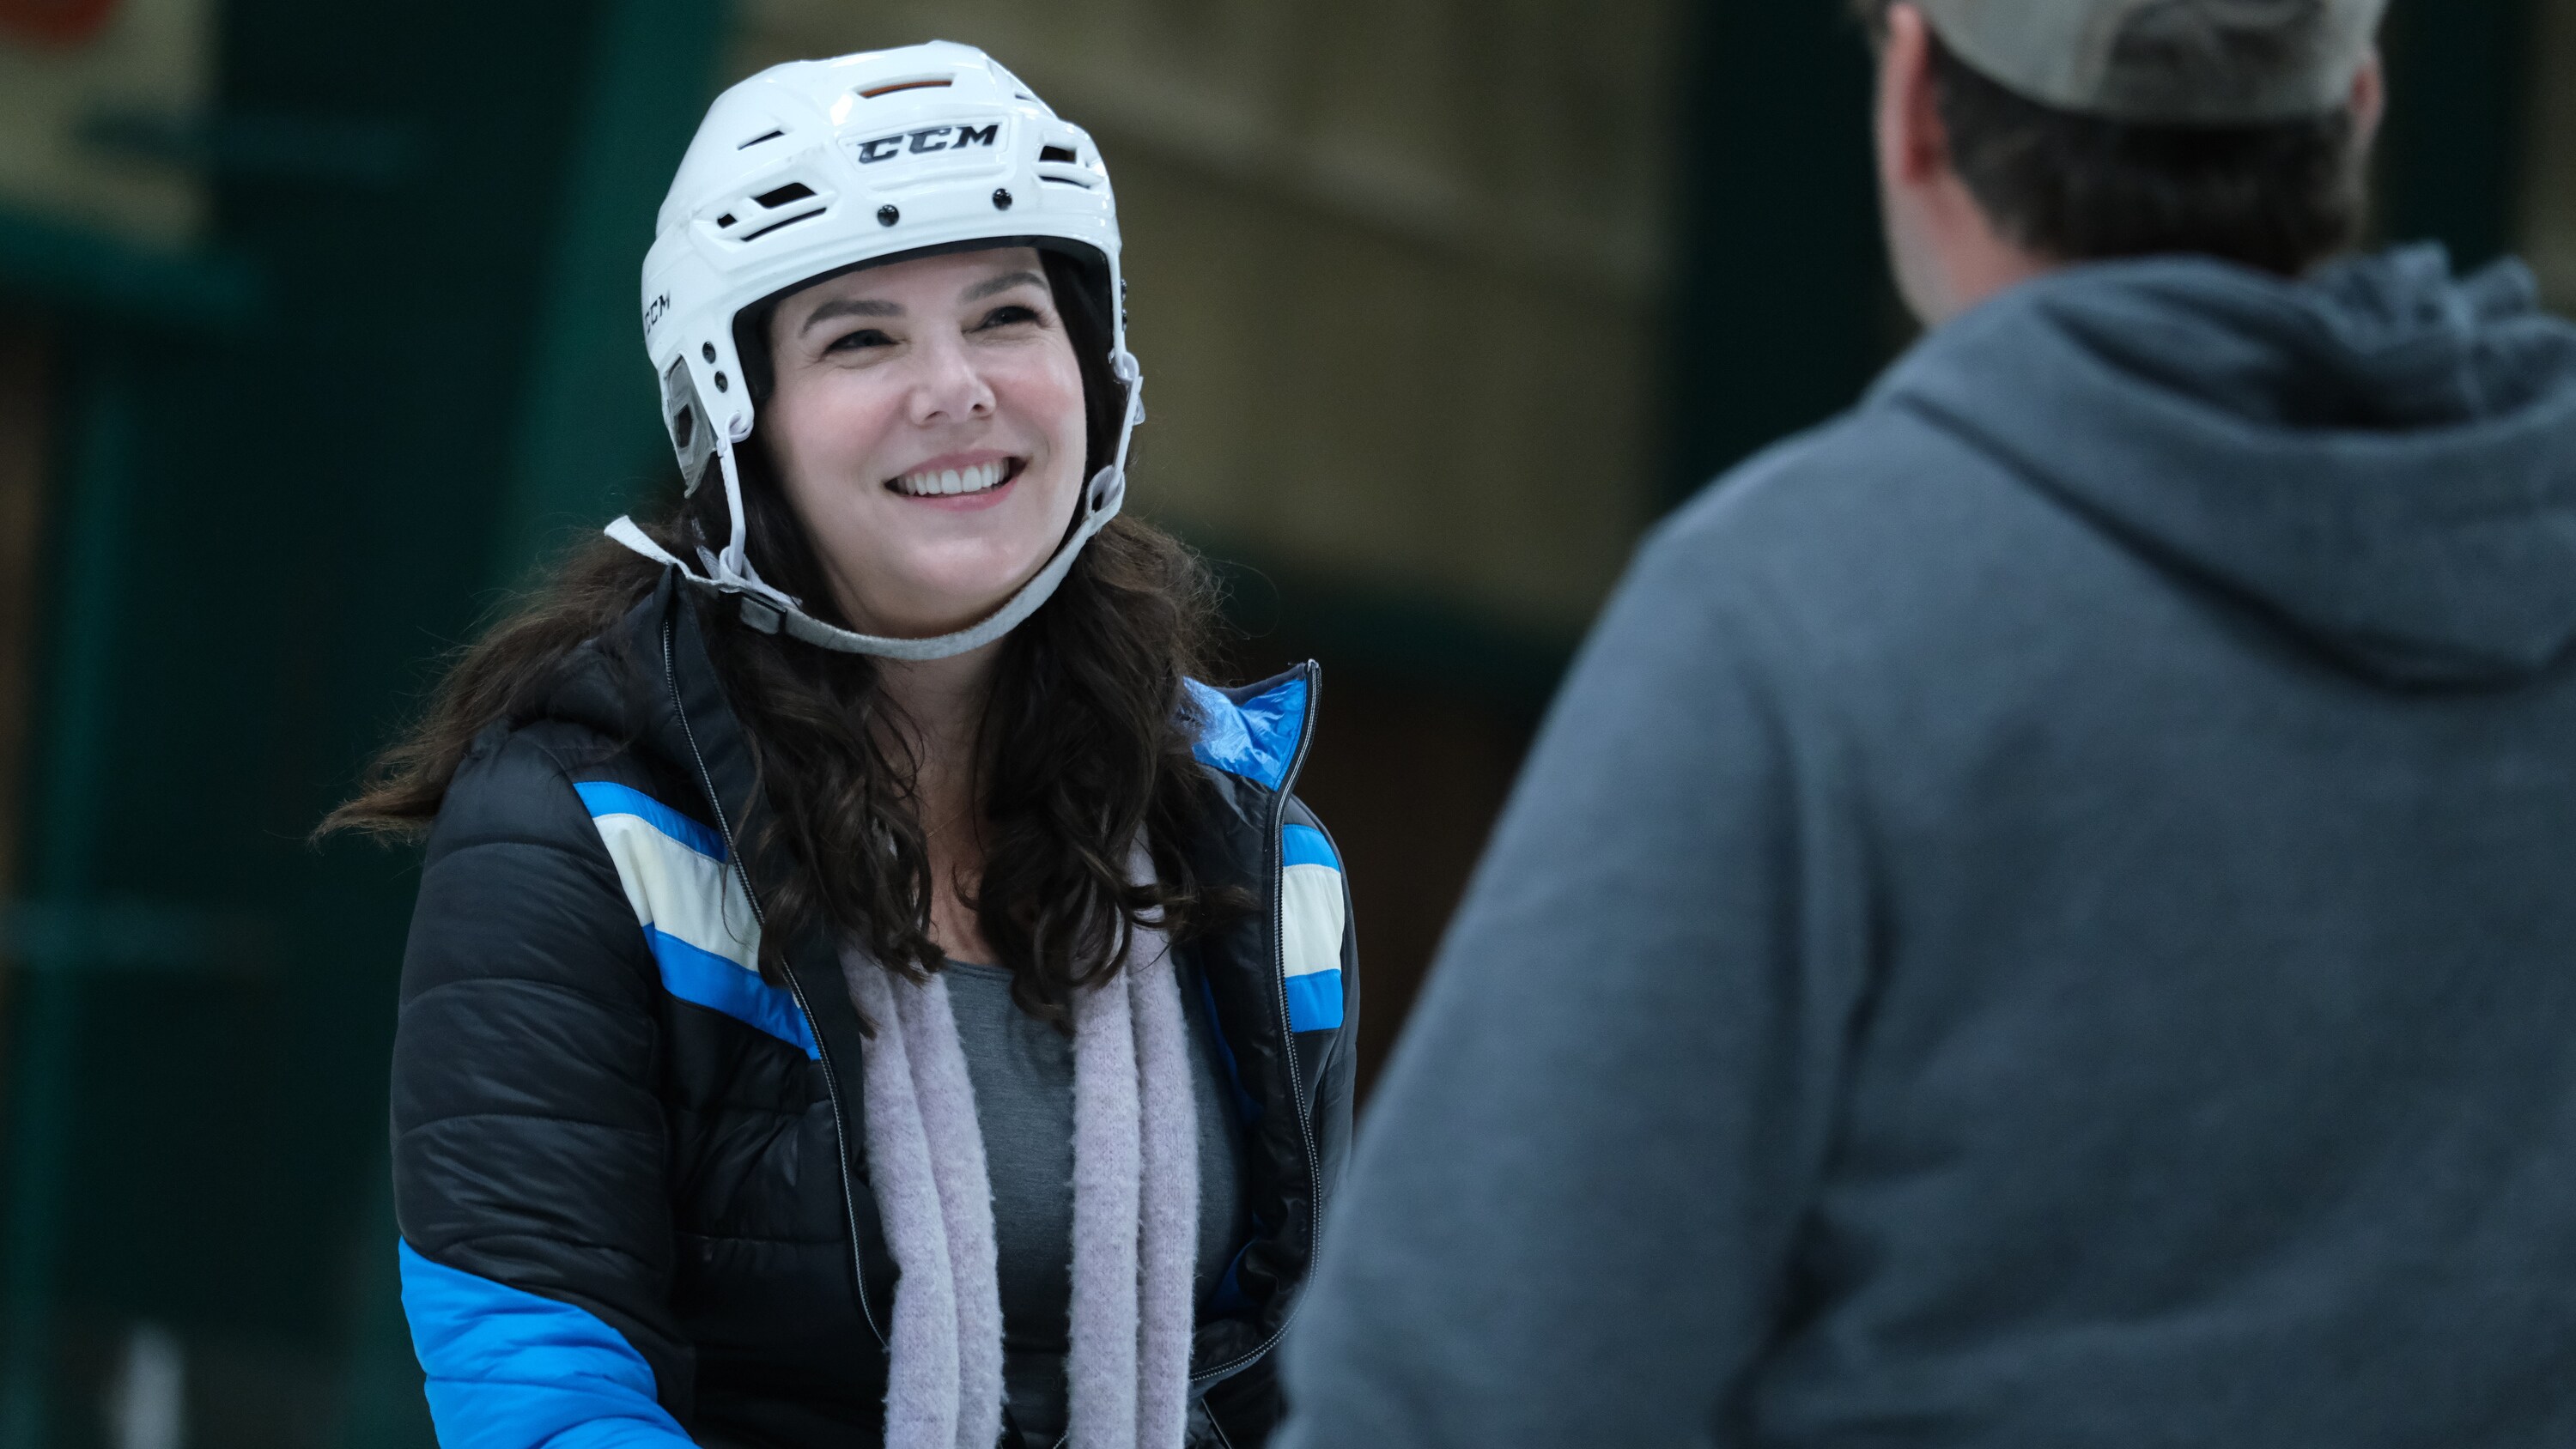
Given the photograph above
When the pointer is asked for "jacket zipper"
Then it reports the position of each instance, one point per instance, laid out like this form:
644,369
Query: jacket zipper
1270,853
831,1078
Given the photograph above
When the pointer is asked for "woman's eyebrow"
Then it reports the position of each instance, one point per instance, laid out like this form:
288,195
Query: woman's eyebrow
848,307
1002,283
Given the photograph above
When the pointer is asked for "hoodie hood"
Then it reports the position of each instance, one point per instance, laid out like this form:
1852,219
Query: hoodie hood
2381,457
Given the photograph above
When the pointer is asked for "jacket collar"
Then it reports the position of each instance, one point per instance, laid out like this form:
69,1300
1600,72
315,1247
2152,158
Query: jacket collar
1256,732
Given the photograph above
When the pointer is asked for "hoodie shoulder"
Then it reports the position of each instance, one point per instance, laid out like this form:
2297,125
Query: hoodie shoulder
1880,561
1838,507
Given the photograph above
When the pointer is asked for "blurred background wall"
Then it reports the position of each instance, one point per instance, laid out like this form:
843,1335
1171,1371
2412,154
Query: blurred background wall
317,335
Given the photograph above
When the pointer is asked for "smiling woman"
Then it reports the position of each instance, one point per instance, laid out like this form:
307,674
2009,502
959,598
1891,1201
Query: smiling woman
861,984
927,420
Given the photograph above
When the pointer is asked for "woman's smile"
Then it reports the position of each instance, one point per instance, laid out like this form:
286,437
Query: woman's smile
960,482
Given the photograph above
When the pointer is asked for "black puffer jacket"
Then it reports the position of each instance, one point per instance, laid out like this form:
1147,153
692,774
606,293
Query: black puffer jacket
630,1174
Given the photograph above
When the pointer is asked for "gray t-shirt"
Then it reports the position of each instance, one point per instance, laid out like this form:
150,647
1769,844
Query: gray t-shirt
1023,1074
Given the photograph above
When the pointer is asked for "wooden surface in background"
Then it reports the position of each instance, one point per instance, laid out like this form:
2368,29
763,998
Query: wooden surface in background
2548,212
150,61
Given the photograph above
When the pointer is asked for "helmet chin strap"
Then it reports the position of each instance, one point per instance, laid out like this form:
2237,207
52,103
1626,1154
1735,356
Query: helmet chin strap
766,609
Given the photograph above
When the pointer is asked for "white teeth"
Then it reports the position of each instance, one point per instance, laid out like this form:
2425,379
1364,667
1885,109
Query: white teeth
951,480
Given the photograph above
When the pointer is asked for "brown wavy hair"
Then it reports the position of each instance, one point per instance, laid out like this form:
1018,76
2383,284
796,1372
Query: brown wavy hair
1084,741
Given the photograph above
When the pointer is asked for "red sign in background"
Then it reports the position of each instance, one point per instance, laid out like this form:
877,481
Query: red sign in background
54,22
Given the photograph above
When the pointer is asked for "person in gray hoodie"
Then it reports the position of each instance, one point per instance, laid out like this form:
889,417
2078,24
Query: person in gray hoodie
2045,913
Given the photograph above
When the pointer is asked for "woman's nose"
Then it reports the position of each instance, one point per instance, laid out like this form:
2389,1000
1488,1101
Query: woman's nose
951,387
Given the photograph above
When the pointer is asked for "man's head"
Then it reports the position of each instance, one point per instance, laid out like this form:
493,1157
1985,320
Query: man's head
2019,135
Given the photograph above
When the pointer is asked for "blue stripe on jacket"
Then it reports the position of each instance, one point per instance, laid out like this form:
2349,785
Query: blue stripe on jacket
1313,919
1315,1002
602,797
1305,845
695,974
511,1370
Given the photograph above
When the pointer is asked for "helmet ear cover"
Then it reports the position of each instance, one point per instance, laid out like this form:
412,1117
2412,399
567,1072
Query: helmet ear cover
1075,274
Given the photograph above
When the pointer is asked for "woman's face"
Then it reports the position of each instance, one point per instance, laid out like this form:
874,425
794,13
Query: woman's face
928,428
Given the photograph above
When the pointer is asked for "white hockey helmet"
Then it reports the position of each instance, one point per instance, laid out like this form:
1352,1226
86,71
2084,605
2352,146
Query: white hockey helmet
817,166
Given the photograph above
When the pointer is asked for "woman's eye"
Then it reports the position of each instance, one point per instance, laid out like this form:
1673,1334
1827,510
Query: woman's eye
1010,315
864,337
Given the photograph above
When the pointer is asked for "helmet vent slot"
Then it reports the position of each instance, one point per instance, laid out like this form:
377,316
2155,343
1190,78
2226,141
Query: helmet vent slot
790,221
792,191
768,135
1058,153
911,85
1052,179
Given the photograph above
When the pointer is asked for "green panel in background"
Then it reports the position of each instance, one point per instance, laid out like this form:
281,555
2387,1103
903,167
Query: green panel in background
289,467
61,875
2451,155
1781,309
591,436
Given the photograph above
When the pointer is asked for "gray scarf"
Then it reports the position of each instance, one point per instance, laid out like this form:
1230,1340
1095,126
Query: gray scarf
1135,1210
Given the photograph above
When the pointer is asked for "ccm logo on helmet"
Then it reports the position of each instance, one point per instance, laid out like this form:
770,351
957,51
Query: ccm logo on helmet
886,148
654,309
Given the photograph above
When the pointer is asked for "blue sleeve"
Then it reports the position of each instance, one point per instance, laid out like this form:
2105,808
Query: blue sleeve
511,1370
530,1146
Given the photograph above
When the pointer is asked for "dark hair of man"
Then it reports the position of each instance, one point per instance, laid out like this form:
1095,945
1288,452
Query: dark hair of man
2281,196
1085,741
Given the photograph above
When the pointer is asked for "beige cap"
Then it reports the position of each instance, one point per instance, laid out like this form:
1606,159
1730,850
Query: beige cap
2166,62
